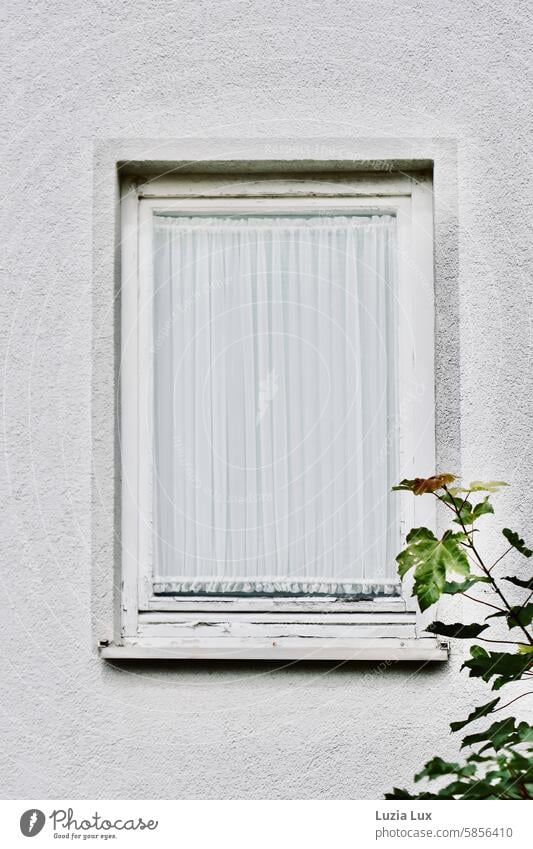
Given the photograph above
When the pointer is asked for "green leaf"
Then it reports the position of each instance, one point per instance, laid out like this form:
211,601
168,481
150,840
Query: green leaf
496,615
398,793
465,510
432,560
458,630
503,734
488,790
469,513
501,666
486,486
457,789
430,577
475,757
436,768
503,680
522,762
498,735
477,713
482,508
454,587
518,582
520,615
525,732
517,542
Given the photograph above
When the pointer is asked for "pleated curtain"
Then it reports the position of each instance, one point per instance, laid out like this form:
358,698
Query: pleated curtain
275,408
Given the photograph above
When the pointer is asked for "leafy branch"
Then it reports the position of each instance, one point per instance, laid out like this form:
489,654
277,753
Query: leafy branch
453,565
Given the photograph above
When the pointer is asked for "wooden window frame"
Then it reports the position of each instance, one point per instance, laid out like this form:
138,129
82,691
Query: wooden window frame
268,627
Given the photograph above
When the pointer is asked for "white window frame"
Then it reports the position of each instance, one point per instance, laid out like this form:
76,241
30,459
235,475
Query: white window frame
259,627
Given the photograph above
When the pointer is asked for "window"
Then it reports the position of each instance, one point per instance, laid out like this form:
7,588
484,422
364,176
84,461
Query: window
276,380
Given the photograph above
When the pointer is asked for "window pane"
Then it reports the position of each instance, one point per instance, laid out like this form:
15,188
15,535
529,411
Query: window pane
275,404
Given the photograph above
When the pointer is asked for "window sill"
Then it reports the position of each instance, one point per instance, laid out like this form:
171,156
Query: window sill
282,648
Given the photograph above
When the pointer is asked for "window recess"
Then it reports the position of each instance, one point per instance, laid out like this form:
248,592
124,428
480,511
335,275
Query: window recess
276,380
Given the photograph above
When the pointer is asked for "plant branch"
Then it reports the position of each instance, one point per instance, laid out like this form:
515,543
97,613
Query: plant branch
465,499
507,642
486,603
479,559
507,550
526,601
530,693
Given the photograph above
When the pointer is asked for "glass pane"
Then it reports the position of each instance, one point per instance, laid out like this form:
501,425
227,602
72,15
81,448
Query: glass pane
275,404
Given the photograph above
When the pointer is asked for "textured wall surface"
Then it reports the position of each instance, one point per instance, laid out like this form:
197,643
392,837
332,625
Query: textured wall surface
80,73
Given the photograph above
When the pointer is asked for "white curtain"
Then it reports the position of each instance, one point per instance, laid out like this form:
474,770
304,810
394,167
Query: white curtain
275,404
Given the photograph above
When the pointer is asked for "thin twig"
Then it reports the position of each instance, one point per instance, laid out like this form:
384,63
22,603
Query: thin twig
465,499
526,601
507,642
507,550
486,603
530,693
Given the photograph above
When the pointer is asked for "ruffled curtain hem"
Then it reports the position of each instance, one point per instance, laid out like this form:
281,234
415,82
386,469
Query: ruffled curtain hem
360,588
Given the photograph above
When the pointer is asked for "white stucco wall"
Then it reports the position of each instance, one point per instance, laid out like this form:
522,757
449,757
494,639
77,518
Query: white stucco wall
82,73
